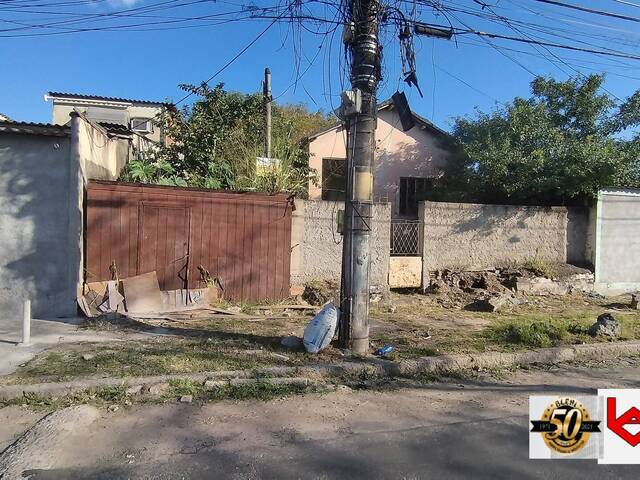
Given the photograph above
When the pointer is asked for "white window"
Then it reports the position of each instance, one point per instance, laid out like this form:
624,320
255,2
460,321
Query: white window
142,125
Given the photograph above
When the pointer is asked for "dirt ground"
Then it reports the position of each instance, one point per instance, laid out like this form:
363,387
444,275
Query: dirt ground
413,430
415,324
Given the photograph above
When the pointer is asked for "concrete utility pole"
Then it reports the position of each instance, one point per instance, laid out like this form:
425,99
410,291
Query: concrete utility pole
362,39
266,95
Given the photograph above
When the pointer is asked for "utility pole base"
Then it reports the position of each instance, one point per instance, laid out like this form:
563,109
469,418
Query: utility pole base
360,346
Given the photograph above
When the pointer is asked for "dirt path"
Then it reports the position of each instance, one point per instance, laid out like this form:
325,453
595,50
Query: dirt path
458,429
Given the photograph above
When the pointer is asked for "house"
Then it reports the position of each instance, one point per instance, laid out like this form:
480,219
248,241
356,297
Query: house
134,115
4,118
406,163
129,125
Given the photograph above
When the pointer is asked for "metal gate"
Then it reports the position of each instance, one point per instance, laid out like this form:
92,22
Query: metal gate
406,238
243,239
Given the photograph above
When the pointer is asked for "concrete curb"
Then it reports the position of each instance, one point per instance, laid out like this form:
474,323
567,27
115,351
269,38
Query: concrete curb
442,364
36,448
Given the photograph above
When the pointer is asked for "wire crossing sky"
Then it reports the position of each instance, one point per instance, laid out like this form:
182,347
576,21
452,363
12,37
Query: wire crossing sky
146,48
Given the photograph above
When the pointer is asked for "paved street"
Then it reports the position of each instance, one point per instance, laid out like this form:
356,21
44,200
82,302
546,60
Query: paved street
474,429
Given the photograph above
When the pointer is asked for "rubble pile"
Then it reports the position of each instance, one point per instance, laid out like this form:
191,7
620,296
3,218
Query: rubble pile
497,289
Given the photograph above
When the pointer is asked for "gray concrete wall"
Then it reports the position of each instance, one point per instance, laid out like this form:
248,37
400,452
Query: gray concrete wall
617,243
316,247
37,233
474,237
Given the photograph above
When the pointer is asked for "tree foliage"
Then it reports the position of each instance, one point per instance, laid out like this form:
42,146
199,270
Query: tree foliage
559,146
214,144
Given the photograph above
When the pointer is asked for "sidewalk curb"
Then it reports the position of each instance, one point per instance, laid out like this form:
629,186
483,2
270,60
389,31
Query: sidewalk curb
441,364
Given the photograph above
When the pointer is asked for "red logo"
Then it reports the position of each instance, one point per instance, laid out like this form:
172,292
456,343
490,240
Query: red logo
630,417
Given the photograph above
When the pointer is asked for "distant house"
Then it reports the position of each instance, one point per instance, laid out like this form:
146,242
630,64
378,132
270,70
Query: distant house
4,118
137,116
130,125
406,163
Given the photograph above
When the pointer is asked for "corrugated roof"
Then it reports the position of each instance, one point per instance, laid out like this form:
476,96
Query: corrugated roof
32,128
116,128
105,99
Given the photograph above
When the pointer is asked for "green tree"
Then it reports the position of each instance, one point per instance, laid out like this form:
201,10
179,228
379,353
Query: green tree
559,146
214,144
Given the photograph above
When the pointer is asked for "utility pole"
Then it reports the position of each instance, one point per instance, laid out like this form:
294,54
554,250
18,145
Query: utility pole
266,96
361,37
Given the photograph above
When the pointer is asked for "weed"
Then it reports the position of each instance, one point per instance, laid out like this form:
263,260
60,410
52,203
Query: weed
539,267
530,333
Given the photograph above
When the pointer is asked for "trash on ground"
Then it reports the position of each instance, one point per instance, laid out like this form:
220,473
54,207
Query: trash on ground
142,293
383,351
320,331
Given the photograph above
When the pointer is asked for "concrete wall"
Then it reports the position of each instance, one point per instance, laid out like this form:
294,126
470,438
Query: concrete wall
617,265
316,247
474,237
103,157
415,153
40,210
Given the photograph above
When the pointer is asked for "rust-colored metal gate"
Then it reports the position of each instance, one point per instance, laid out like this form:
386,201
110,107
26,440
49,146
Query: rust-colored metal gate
243,239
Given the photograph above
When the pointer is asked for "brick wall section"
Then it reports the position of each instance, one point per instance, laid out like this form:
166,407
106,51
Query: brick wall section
316,247
474,237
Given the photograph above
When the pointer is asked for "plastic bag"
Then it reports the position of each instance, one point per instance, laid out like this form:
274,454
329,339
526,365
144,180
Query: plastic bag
321,329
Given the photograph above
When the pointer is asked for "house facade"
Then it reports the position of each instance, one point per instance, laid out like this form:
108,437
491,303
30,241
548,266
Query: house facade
136,116
406,163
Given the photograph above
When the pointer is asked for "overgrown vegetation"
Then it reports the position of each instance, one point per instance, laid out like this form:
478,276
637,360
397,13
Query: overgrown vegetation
557,147
215,142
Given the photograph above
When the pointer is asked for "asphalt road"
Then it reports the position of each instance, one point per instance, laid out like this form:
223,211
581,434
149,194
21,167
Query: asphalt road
458,430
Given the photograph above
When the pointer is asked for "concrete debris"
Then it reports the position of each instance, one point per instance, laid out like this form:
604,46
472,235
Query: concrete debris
157,389
606,326
541,286
88,356
291,341
134,390
490,304
186,399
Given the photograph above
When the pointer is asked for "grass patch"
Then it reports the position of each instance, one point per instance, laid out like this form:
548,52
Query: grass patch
155,357
99,397
529,333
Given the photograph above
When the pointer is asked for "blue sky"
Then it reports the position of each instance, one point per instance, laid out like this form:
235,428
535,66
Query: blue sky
456,76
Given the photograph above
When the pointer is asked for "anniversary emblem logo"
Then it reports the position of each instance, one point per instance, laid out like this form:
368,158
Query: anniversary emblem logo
566,425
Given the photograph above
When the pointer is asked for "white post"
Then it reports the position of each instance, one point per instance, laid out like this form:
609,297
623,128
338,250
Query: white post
26,322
